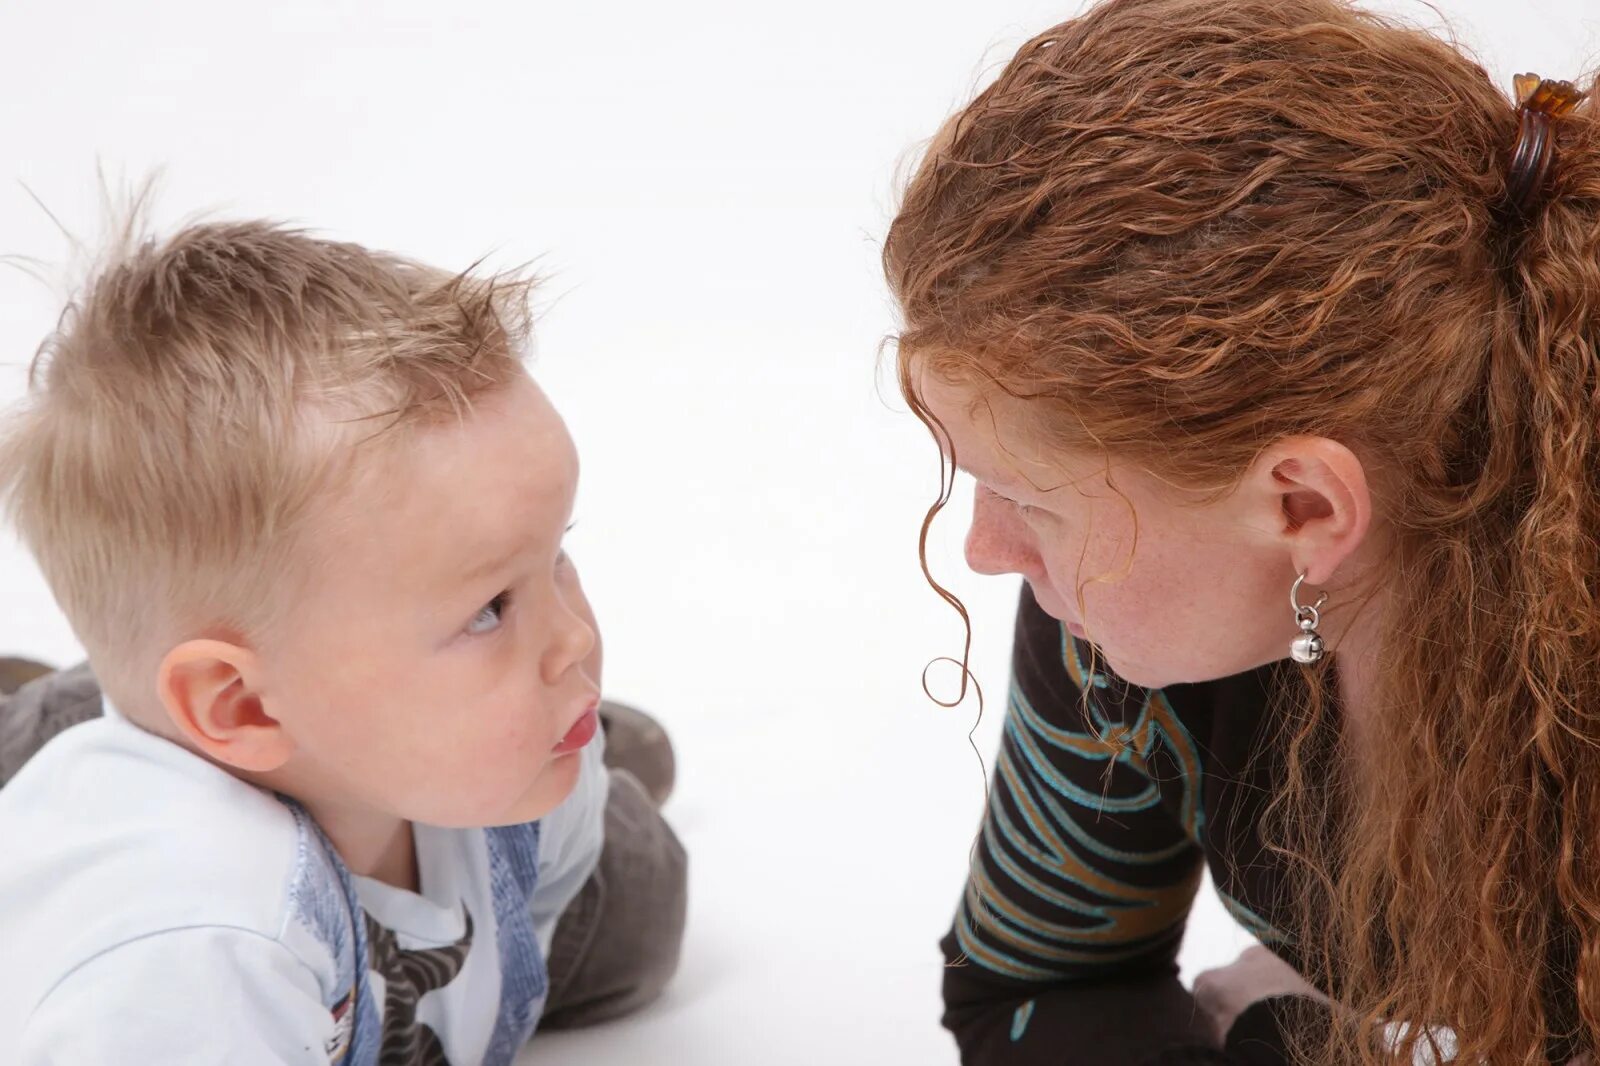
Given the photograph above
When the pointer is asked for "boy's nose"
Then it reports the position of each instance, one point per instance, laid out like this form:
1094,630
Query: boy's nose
999,541
575,638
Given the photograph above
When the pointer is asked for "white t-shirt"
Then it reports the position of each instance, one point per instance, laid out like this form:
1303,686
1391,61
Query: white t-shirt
156,909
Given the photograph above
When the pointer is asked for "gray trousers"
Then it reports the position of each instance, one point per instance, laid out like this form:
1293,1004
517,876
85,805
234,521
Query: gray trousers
616,945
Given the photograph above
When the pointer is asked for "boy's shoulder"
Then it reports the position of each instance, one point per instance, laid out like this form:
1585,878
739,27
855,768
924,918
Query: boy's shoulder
113,835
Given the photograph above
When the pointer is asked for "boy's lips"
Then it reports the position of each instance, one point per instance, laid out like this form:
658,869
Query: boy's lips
582,731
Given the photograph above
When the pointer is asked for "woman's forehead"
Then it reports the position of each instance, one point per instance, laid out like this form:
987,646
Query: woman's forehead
998,439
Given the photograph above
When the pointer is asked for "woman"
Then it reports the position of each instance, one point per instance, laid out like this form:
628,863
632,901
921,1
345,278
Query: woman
1270,331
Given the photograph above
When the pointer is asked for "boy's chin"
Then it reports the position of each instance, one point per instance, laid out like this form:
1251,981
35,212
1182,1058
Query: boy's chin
547,792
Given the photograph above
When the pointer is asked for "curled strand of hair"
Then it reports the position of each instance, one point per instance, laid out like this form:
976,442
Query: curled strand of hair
947,472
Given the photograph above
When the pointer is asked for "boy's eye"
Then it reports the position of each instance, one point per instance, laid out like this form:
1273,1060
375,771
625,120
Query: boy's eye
489,618
562,558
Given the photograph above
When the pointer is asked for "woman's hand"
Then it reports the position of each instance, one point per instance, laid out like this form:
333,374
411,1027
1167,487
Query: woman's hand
1225,992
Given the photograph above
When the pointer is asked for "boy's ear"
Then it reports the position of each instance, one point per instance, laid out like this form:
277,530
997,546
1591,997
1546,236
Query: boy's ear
209,690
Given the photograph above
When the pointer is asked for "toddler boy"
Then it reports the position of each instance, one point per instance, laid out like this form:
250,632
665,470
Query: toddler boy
343,799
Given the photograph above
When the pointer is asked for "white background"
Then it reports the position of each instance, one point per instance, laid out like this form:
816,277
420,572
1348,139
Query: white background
706,185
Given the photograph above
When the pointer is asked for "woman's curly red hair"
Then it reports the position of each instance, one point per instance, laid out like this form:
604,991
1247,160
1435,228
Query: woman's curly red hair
1184,229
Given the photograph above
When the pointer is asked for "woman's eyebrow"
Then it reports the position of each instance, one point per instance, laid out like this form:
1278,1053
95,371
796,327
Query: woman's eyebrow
1002,483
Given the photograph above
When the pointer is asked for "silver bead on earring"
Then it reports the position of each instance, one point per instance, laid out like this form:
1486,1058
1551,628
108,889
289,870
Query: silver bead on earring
1307,647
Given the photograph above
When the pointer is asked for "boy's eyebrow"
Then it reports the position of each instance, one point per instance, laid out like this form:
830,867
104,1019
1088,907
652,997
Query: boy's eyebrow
489,563
493,561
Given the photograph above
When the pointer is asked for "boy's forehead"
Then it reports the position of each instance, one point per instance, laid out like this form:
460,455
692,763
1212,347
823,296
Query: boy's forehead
452,493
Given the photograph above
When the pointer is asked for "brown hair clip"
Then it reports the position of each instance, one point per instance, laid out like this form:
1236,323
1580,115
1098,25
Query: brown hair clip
1539,102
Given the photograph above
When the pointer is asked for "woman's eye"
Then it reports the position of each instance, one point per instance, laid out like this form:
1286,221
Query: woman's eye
1023,509
489,618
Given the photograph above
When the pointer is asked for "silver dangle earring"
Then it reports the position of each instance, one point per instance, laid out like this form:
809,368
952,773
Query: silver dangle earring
1307,647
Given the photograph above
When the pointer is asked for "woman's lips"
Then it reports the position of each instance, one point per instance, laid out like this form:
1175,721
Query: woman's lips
582,731
1048,604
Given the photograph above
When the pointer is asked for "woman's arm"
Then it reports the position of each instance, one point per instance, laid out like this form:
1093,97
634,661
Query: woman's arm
1064,947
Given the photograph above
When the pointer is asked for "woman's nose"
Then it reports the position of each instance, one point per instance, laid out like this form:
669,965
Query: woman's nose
999,541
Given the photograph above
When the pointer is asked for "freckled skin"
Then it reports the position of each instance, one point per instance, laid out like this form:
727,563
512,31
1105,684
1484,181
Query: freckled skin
1202,594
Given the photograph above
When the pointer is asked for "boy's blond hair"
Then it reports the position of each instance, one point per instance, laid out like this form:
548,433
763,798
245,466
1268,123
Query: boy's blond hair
199,394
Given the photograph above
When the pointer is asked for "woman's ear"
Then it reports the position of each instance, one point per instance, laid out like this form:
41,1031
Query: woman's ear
208,688
1312,493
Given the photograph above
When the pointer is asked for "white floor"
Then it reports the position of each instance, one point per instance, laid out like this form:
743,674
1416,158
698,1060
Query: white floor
828,805
707,185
